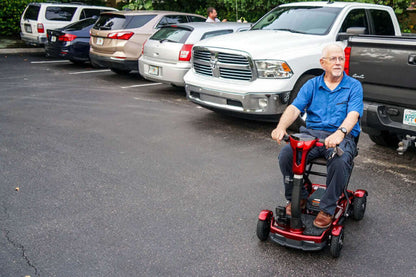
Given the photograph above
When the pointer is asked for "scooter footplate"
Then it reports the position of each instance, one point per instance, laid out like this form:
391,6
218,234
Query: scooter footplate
310,229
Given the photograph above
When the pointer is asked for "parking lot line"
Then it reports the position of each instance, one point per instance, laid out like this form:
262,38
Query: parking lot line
90,71
57,61
143,85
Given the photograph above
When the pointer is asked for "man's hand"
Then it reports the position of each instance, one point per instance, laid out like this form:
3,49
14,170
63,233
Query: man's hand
335,139
278,134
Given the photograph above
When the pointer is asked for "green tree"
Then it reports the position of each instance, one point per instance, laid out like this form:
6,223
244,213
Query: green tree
139,5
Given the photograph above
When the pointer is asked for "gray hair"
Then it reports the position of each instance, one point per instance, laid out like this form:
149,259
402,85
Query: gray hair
331,46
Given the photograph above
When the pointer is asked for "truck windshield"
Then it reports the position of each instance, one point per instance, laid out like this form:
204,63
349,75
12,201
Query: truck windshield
305,20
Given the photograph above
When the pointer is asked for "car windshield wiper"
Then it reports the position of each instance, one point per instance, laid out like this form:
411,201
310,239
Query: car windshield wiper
290,30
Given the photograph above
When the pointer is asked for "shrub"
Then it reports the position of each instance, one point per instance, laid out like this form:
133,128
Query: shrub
10,13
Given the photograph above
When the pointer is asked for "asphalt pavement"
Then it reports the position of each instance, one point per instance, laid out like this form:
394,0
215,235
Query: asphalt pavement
109,175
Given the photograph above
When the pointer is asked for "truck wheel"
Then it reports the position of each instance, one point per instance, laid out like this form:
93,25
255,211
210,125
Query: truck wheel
385,139
299,121
263,229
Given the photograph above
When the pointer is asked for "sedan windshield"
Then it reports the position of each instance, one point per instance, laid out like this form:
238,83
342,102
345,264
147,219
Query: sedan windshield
305,20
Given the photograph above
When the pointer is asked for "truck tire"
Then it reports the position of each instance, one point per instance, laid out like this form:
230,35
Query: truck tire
299,121
385,139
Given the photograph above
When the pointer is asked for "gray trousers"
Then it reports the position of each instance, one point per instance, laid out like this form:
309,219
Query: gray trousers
338,168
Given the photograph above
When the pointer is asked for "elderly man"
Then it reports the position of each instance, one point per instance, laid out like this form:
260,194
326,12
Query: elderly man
334,104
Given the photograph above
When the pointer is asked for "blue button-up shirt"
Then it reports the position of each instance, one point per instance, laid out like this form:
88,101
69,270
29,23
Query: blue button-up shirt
326,109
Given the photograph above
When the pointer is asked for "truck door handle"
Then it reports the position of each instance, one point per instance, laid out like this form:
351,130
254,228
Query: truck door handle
412,59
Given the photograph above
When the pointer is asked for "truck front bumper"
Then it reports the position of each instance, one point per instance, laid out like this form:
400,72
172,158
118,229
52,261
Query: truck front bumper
259,97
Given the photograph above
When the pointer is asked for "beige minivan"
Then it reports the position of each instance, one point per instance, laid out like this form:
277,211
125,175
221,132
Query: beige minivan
117,37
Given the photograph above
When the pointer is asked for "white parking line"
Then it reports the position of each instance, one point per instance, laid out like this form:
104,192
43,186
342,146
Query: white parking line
58,61
143,85
90,71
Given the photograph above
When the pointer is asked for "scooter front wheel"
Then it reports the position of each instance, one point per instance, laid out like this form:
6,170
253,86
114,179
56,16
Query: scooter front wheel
263,229
336,244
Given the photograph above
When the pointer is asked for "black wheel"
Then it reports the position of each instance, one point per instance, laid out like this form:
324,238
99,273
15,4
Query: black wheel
263,229
299,121
77,62
385,139
336,244
359,204
120,71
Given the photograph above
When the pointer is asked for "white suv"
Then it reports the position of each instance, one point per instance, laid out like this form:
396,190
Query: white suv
39,17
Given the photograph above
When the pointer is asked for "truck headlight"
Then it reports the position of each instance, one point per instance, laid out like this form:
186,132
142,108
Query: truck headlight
269,69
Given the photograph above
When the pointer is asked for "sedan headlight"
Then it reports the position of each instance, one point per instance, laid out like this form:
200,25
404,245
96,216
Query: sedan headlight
269,69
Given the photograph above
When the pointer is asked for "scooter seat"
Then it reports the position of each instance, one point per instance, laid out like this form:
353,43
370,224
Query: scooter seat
320,161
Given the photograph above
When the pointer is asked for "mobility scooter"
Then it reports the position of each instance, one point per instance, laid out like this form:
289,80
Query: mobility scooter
297,231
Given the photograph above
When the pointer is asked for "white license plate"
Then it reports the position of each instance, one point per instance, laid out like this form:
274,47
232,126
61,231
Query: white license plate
409,117
100,41
153,70
53,38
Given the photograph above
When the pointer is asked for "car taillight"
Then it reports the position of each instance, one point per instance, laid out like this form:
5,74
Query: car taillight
121,35
143,46
41,29
67,37
186,52
347,52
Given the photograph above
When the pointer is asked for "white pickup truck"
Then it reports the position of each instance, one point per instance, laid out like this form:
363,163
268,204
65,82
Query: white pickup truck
255,74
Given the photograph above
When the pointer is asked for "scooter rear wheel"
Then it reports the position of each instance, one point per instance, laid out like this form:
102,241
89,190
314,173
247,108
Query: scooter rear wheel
263,229
359,206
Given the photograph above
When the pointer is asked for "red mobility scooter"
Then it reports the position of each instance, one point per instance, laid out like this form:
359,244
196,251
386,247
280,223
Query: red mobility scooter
297,231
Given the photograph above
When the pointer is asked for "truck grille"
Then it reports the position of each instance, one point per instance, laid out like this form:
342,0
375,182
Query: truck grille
220,64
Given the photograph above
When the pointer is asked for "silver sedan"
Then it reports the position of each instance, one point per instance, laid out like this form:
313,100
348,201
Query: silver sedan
166,55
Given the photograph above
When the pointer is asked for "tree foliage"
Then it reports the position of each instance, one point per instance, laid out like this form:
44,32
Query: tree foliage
251,10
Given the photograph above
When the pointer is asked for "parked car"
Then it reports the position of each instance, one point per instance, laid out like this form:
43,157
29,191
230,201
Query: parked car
37,18
71,42
117,37
386,67
256,74
167,54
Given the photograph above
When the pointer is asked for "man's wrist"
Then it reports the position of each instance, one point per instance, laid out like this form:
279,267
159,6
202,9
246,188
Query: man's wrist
343,131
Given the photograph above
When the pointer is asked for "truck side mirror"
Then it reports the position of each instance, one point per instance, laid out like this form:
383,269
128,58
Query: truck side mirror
351,31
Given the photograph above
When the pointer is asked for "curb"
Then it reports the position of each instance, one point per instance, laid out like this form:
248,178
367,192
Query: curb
21,50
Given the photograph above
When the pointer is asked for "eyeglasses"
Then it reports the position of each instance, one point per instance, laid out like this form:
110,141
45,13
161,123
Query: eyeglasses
334,59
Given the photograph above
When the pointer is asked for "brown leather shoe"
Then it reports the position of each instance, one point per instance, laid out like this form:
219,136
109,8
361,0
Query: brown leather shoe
323,220
289,206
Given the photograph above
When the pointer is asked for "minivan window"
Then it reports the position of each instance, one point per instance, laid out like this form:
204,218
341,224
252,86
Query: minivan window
172,34
79,25
110,22
32,12
60,13
299,19
172,19
216,33
138,21
382,23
